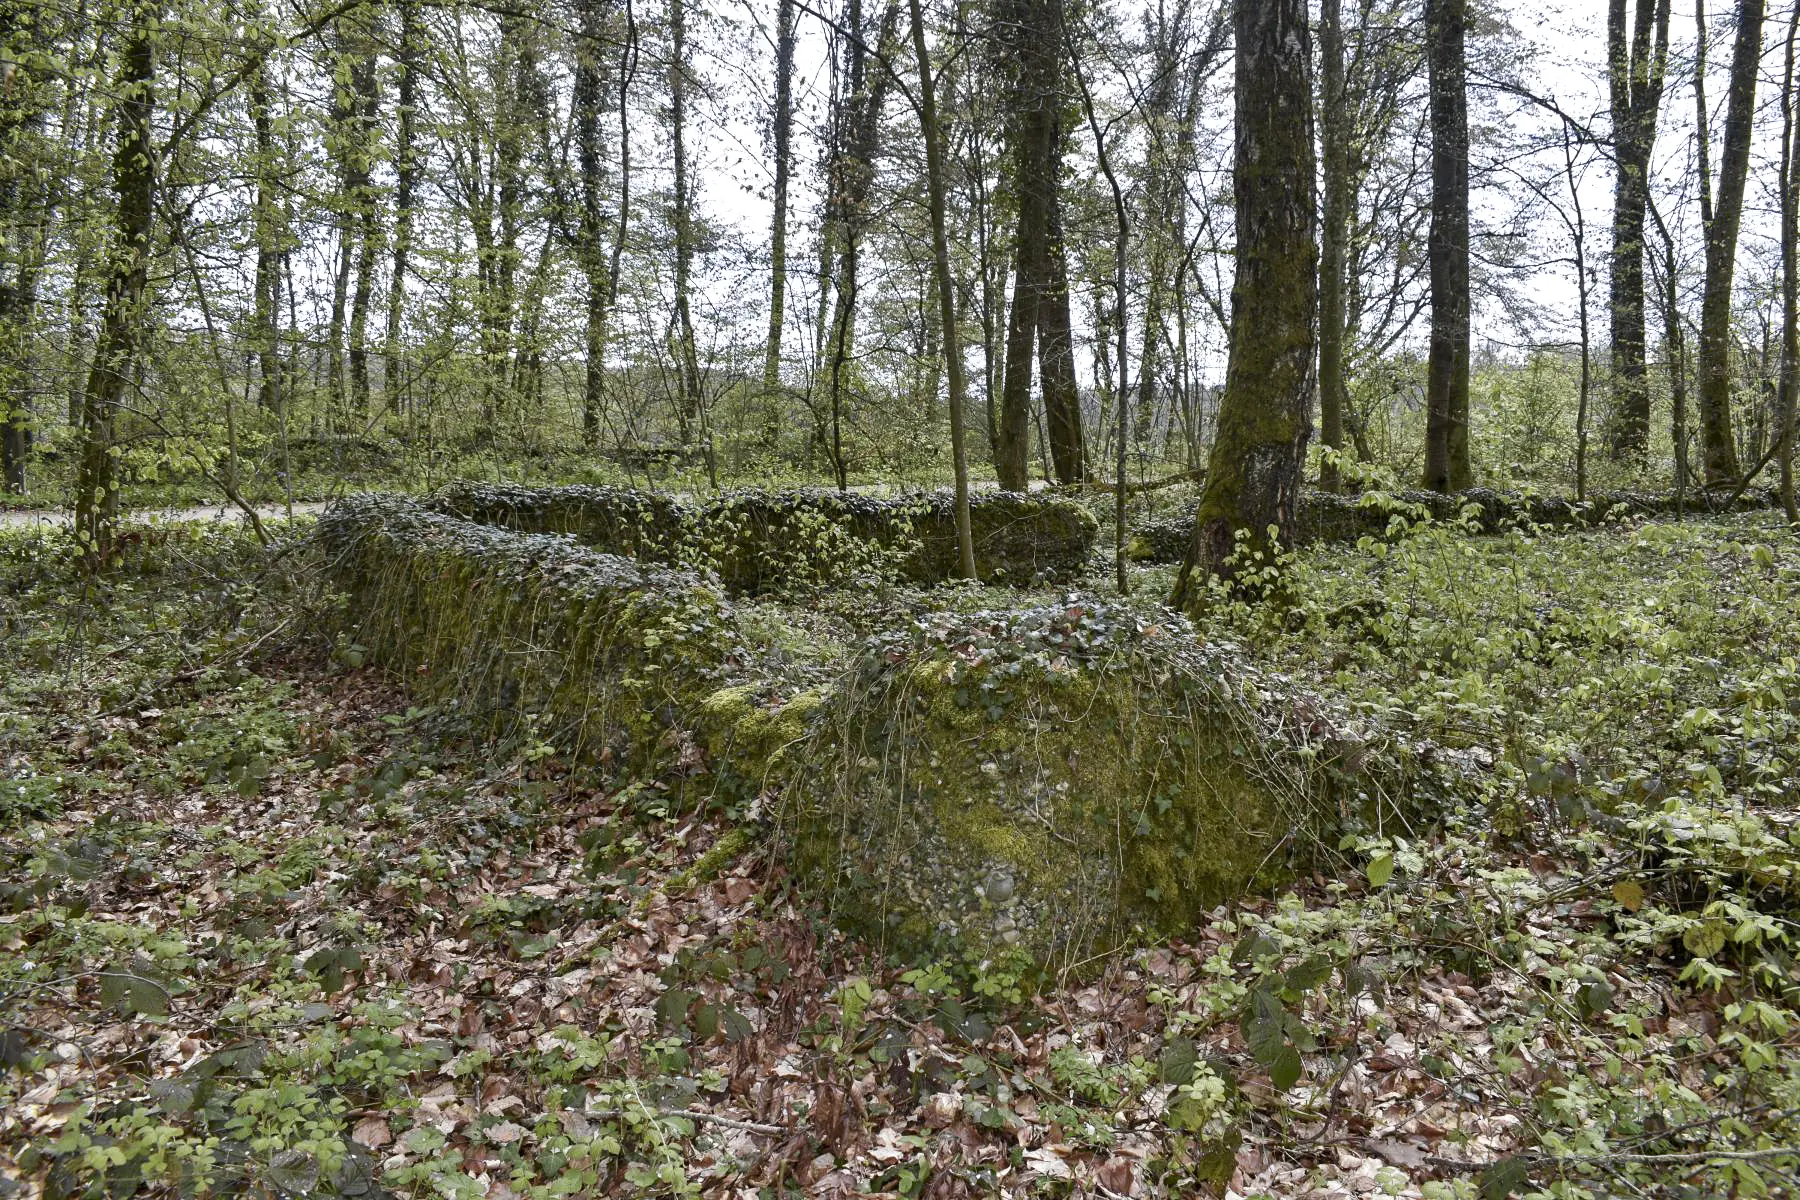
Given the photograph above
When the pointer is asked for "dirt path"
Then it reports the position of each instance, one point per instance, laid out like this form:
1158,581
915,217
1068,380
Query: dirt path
24,518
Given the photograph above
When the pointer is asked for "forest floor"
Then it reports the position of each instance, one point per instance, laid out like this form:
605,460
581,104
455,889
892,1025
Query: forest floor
265,923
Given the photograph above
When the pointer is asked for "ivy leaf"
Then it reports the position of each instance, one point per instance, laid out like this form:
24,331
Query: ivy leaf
736,1025
172,1095
294,1172
1504,1178
1595,997
672,1007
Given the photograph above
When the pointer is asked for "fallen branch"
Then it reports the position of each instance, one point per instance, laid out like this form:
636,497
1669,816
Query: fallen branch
692,1114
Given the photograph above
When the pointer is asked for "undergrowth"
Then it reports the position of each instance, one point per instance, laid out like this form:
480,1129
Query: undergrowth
265,926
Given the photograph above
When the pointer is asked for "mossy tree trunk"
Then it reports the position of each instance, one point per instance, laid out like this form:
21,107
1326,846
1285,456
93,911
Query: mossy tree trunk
1447,466
1334,234
1636,62
1031,29
123,319
589,230
1718,447
1056,362
1265,417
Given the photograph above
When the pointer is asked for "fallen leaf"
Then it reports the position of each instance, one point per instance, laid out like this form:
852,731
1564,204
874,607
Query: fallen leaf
372,1132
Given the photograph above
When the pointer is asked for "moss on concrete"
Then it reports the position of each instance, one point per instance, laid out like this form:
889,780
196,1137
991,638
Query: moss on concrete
1061,780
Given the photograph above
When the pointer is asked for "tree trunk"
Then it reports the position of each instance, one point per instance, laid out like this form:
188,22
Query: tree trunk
1334,233
687,409
1447,372
406,177
850,175
783,121
122,325
367,84
1675,352
267,301
1056,362
26,203
1635,70
1790,275
946,290
1034,56
591,248
1259,448
1718,448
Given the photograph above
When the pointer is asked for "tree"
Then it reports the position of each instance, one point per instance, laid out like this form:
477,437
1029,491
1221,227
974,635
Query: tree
1029,40
1447,466
406,183
687,410
1253,475
782,120
850,174
1789,194
590,232
1340,195
936,189
1637,61
1721,218
26,204
124,316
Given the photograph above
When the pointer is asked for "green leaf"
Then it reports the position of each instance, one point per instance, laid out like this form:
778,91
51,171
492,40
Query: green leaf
1176,1064
1504,1178
1595,997
1285,1071
672,1007
1263,1026
1381,869
1307,974
172,1095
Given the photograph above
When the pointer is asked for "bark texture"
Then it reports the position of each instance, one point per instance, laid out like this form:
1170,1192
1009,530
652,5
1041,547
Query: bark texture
1718,447
1265,416
1637,58
1447,371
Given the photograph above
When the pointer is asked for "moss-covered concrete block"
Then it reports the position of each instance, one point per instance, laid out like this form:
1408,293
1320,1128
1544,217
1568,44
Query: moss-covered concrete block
649,526
1335,517
1061,781
760,541
609,654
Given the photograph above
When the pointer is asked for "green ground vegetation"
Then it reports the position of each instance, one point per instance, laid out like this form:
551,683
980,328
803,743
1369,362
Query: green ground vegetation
267,923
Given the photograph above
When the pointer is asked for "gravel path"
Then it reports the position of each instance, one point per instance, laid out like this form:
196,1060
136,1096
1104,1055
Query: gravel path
27,517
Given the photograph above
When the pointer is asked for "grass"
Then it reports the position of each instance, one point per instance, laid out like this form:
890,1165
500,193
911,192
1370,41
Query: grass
266,924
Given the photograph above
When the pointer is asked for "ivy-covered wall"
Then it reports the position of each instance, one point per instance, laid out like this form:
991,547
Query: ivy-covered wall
1334,517
760,541
1054,781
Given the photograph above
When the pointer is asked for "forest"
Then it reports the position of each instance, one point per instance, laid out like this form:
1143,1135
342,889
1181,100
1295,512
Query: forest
1062,599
